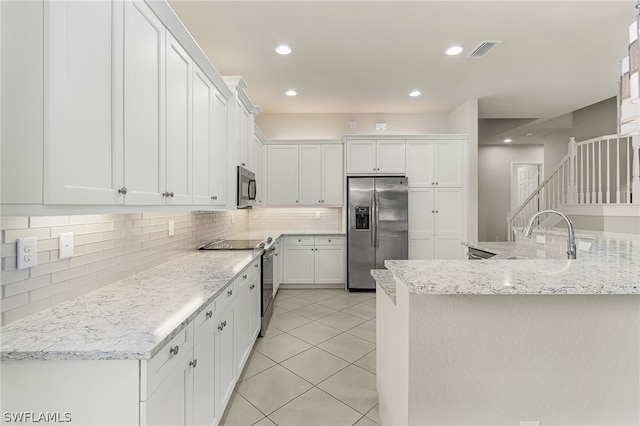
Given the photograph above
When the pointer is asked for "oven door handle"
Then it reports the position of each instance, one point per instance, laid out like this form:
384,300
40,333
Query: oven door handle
269,253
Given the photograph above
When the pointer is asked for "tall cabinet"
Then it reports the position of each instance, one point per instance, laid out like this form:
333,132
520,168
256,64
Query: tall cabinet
437,197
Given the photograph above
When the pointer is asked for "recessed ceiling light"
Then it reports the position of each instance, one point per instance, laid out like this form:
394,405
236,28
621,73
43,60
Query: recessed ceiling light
283,49
415,93
507,140
454,50
290,93
528,134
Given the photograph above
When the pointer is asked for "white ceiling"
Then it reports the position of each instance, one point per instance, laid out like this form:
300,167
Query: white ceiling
366,56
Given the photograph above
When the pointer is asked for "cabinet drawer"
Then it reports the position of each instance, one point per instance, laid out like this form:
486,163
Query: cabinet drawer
170,355
228,294
299,241
330,241
201,321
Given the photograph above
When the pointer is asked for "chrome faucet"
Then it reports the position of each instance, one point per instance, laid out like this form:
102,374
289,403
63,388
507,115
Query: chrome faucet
571,242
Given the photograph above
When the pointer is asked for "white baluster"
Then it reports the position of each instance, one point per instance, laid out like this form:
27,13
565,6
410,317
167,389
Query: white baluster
599,197
618,171
629,171
608,171
593,174
635,190
571,188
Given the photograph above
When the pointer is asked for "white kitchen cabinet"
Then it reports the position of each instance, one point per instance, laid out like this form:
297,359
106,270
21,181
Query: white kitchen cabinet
178,185
241,315
436,163
282,175
144,112
314,260
205,407
320,174
83,144
226,368
255,303
219,164
371,157
242,124
278,268
259,163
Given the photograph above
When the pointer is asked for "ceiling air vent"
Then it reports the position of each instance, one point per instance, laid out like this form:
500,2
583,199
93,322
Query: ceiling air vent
483,49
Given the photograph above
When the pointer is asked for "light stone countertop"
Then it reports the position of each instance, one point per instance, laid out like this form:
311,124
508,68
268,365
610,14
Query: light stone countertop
130,319
387,283
611,266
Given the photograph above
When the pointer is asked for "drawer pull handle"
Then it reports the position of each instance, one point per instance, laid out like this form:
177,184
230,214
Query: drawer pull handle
209,314
123,190
244,277
256,265
220,327
252,286
193,363
174,350
229,293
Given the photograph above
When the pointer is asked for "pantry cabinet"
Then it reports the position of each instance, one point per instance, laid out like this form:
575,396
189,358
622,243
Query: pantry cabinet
314,260
372,157
437,198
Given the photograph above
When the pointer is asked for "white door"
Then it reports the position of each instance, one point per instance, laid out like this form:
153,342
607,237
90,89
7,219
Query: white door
218,164
421,248
421,211
83,148
202,135
282,179
330,265
527,180
450,214
204,374
390,156
449,248
244,137
226,371
310,173
299,265
420,167
178,127
170,403
241,319
144,151
332,178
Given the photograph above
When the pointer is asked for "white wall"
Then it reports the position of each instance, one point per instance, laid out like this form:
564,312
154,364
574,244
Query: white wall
464,120
494,186
334,126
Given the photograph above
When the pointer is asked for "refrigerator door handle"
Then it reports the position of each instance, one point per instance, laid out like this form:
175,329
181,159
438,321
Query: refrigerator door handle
373,222
377,231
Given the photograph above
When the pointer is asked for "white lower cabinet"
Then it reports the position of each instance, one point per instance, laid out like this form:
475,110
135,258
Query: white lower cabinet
205,409
246,311
314,260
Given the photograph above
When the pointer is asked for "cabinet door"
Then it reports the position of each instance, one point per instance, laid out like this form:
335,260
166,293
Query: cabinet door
449,248
255,306
332,177
450,160
226,372
244,137
421,212
390,156
202,135
83,147
178,123
144,150
282,174
258,165
204,375
361,156
450,214
420,167
330,265
241,320
218,162
299,265
170,403
421,248
277,266
310,172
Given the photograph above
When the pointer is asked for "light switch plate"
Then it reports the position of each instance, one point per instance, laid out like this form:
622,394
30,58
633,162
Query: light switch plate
65,245
27,252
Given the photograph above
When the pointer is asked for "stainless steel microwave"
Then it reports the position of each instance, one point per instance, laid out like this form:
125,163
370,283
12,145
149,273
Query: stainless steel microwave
246,188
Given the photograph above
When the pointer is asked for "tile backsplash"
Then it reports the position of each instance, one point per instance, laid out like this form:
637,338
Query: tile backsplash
107,248
296,219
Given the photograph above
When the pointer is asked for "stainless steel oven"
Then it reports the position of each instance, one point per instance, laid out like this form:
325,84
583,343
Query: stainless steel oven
246,188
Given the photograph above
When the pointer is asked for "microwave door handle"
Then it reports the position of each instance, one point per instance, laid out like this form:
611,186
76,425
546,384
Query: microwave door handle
252,189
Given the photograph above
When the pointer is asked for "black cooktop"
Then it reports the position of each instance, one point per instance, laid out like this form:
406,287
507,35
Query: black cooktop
234,245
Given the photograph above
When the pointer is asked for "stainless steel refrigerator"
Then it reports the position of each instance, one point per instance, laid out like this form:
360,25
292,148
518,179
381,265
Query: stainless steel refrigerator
377,226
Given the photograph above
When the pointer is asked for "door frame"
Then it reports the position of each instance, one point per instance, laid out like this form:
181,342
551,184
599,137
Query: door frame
513,193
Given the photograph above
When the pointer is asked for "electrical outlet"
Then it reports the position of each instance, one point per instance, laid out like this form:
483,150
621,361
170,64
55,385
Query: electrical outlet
317,215
65,245
27,252
172,228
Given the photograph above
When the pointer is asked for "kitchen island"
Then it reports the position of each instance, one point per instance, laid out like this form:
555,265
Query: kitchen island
503,341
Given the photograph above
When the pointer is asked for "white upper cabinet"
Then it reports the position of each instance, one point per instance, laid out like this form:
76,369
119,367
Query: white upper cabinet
310,172
332,175
259,165
218,164
436,163
144,113
282,175
241,137
83,146
178,187
376,157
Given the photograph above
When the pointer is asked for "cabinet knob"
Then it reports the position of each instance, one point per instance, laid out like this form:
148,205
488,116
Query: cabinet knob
243,164
220,326
296,201
252,286
229,293
433,211
168,194
174,350
193,363
209,314
436,183
244,277
329,240
433,183
123,190
436,211
214,197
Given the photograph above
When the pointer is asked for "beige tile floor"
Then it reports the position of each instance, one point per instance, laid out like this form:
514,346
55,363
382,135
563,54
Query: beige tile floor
315,367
